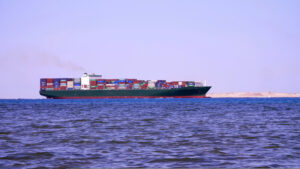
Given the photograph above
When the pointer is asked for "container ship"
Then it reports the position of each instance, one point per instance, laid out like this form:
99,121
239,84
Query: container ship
92,86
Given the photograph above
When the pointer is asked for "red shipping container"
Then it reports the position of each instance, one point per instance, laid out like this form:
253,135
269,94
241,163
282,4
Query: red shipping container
63,87
100,87
49,80
56,88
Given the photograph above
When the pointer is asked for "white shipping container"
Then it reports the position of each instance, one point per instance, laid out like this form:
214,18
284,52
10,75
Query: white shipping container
136,86
70,84
151,84
49,84
198,84
180,83
63,84
77,80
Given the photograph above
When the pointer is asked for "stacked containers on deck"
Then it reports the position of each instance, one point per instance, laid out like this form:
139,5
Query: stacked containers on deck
56,84
159,84
110,86
101,84
77,84
63,84
190,84
175,84
43,84
70,84
169,85
93,84
136,84
129,83
49,84
198,84
151,84
180,84
143,84
165,85
121,84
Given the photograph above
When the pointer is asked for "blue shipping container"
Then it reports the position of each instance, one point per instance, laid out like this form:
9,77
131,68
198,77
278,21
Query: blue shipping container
129,81
56,83
43,82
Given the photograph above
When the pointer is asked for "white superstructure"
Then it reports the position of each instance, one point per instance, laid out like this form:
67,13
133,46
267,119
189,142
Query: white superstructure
85,80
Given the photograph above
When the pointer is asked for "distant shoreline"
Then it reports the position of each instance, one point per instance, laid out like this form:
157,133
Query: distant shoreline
252,95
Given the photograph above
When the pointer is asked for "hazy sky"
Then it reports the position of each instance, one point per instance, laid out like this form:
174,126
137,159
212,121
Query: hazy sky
236,46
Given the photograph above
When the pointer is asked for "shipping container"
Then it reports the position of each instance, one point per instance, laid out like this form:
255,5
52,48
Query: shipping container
190,84
77,80
56,83
130,81
63,87
198,84
70,84
101,87
101,81
49,80
136,86
151,84
43,82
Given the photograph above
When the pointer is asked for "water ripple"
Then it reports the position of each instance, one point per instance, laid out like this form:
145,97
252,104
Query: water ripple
152,133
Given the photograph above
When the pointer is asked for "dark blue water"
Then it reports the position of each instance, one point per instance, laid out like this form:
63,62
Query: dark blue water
168,133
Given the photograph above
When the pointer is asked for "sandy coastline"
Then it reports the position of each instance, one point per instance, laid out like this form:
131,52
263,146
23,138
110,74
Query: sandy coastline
250,94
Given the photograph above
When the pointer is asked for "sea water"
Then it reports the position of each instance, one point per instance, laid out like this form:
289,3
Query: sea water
152,133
